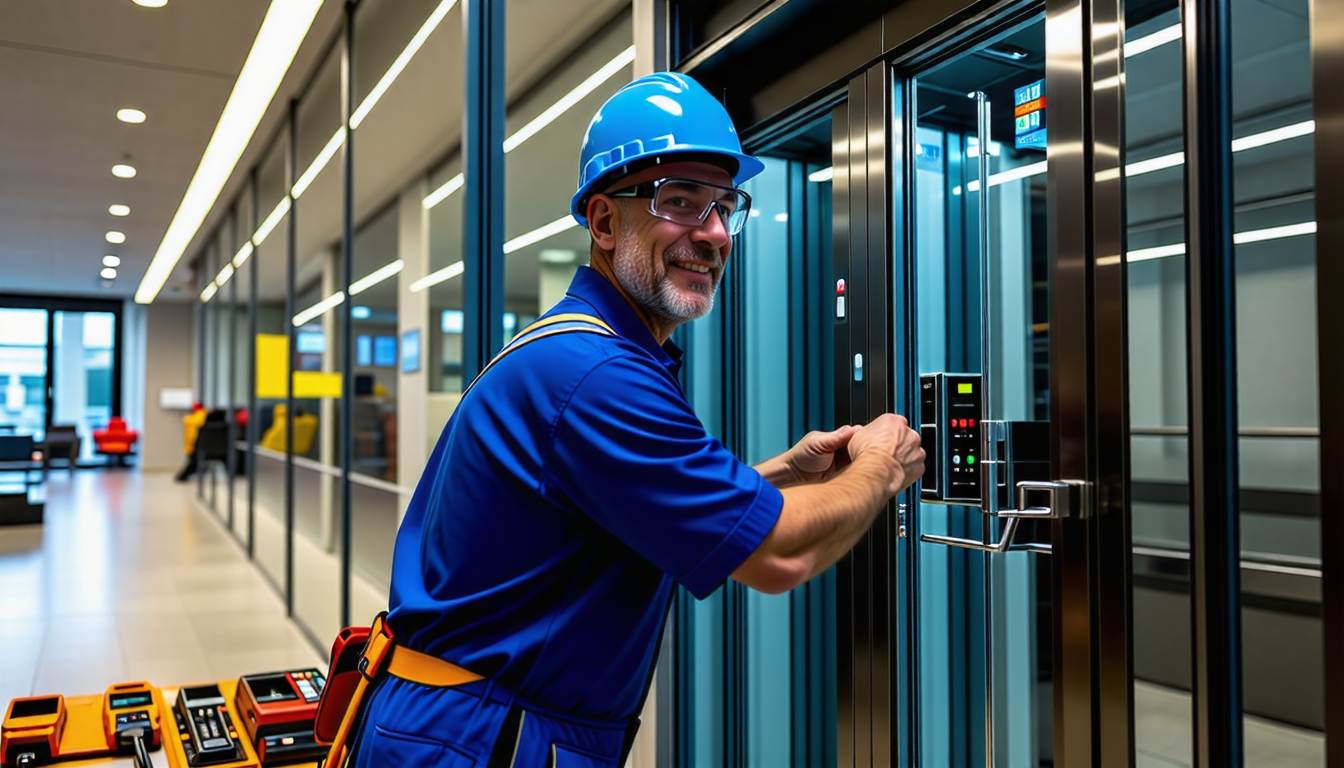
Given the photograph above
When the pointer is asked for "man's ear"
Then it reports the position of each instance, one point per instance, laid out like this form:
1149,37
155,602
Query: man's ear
602,222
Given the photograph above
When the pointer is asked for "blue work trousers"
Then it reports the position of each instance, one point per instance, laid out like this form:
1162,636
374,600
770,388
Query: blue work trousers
408,724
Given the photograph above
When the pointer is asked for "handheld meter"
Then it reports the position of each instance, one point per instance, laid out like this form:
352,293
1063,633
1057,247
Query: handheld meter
278,710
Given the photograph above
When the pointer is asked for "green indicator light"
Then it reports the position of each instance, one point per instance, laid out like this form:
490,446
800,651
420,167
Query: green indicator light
970,459
964,388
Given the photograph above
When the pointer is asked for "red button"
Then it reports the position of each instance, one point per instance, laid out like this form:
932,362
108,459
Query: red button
972,422
963,423
954,423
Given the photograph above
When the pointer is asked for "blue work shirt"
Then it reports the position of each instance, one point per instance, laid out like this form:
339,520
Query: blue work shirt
569,492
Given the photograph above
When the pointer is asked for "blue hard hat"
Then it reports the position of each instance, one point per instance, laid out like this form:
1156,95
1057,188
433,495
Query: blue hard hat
658,114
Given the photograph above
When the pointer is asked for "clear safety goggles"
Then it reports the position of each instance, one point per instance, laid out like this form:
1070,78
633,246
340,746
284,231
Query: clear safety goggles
688,202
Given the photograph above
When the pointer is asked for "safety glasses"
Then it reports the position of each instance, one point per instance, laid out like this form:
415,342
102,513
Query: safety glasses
688,202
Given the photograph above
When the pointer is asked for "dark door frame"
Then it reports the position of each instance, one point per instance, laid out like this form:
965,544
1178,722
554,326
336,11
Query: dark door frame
54,304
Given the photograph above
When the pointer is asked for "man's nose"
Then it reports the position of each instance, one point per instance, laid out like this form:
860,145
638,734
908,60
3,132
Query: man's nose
713,231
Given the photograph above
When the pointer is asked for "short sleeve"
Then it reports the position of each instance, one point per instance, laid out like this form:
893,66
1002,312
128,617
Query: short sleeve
630,453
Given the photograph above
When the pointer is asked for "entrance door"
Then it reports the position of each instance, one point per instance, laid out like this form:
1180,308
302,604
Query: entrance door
966,216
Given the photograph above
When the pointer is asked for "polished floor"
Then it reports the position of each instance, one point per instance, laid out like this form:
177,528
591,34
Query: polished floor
131,579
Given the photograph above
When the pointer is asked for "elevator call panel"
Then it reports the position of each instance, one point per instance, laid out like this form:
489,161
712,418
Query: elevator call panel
949,429
955,436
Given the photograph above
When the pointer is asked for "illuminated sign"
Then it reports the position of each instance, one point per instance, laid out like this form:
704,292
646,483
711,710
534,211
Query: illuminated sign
1029,116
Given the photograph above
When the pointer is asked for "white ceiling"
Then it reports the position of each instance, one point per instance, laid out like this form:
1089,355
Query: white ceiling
69,66
549,49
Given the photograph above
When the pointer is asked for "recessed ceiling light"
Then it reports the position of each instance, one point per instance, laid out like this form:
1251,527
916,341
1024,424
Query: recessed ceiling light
116,238
119,210
111,261
123,171
133,116
108,273
150,3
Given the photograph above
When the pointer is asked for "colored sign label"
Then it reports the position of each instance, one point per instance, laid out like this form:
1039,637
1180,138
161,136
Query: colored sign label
1029,116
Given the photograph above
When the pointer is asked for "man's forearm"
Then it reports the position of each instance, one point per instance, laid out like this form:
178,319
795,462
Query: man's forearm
776,471
823,521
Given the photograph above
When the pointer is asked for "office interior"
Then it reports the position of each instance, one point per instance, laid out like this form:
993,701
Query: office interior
1093,226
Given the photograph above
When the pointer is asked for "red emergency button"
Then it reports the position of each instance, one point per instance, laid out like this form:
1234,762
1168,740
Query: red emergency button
972,423
840,287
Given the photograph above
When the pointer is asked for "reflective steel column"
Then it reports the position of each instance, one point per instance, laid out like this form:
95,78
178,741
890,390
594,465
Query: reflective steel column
1215,575
1327,66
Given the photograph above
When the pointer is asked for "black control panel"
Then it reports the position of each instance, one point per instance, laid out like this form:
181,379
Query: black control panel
950,410
203,718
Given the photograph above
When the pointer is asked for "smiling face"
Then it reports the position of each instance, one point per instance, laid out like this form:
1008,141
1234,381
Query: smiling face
669,270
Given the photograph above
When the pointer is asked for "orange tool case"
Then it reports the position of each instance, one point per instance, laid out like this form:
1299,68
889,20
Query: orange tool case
38,730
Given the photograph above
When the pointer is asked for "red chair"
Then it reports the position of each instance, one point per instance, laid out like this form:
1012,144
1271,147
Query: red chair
116,441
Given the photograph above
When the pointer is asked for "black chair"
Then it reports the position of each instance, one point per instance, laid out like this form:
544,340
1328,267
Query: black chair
212,444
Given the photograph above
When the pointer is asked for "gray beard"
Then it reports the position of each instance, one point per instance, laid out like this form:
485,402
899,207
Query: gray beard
639,276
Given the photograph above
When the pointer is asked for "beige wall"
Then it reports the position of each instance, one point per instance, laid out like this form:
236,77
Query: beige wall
169,358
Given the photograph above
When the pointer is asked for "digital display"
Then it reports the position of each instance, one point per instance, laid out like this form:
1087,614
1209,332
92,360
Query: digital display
385,351
965,388
311,343
127,700
1029,131
364,351
410,351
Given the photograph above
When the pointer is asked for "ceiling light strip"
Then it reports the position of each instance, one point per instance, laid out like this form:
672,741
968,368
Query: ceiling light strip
1278,134
434,278
562,106
282,32
407,53
825,174
377,276
242,255
1149,42
209,292
1014,174
271,221
442,193
541,233
1240,238
319,162
318,309
224,274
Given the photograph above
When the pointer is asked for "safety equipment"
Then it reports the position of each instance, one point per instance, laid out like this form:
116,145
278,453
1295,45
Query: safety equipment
660,114
688,202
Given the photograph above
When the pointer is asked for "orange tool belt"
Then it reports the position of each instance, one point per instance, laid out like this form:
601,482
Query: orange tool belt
351,677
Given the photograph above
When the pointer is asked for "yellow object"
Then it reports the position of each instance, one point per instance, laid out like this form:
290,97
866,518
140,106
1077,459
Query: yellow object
310,385
305,428
272,366
191,426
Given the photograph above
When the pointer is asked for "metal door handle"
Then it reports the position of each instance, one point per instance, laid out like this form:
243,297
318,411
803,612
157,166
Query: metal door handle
1067,500
1004,544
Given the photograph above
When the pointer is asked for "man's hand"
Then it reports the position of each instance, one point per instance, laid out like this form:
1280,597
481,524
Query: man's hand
890,437
819,455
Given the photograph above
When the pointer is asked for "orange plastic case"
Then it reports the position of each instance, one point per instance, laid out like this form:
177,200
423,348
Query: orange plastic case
32,724
60,728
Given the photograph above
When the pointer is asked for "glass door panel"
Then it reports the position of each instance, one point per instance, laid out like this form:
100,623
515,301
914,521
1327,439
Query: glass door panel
82,378
983,619
23,372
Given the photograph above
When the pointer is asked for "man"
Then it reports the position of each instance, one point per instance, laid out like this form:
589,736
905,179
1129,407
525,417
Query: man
574,487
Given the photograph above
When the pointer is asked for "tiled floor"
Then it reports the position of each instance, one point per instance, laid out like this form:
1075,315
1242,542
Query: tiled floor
130,579
1162,735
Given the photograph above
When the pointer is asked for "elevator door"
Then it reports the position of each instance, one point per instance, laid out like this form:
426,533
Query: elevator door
981,617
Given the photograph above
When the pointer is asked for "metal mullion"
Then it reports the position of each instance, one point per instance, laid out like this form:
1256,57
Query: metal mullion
253,424
347,417
1327,65
904,720
883,307
1114,655
483,168
291,332
230,415
860,322
1069,202
846,708
1212,386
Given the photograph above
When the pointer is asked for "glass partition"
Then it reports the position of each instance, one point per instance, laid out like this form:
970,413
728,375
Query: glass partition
269,260
23,372
1273,161
241,364
544,245
317,380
